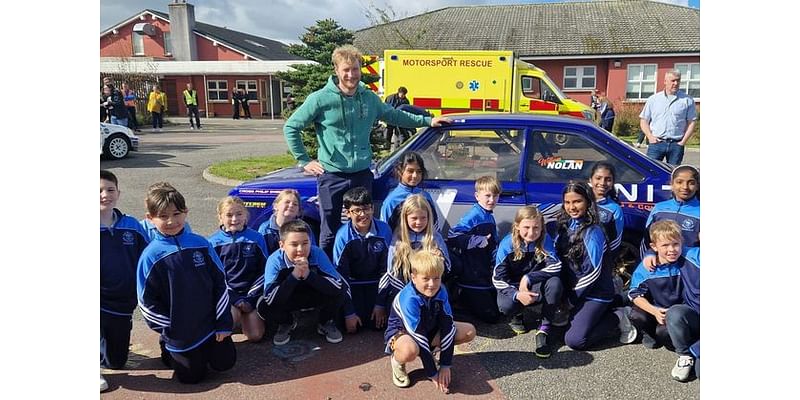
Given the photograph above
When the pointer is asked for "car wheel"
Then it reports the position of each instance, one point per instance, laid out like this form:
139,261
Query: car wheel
626,262
117,146
561,139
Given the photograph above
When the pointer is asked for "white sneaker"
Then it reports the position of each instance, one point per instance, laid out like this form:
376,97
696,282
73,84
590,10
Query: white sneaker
400,377
191,127
683,368
627,332
159,129
103,384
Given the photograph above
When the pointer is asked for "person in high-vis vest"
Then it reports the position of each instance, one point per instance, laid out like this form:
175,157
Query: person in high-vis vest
190,99
130,104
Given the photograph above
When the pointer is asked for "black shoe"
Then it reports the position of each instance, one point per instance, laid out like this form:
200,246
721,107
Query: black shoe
649,341
543,348
517,324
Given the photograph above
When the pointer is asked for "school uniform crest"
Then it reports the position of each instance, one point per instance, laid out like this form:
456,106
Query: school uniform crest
199,260
377,246
128,239
247,250
605,215
688,224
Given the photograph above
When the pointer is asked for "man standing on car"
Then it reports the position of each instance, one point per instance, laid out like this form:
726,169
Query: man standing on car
343,113
668,120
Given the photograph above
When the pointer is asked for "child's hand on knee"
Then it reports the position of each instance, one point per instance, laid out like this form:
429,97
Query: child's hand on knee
352,323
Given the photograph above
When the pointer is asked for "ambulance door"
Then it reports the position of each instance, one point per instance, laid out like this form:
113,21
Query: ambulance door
537,96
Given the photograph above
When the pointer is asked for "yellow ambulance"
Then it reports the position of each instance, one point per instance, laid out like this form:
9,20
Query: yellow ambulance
453,81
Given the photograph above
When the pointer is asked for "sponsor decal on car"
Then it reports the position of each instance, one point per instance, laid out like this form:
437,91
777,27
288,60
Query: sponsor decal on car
560,163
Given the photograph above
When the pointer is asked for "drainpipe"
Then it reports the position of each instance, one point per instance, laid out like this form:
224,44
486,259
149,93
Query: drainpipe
271,100
205,90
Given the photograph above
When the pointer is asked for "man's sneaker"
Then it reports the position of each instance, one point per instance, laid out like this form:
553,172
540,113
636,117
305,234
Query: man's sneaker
543,348
191,127
627,332
331,332
561,317
400,377
517,324
284,333
103,384
649,341
683,368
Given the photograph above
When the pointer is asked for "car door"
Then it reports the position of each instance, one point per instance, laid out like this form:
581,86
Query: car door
456,156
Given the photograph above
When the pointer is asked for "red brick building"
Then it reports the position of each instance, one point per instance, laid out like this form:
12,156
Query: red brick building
172,49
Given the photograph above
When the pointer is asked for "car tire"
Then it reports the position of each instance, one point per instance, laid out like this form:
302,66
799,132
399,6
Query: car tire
626,262
117,146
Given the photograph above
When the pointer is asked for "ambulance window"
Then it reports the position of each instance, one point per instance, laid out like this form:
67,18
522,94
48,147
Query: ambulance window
559,157
469,154
531,87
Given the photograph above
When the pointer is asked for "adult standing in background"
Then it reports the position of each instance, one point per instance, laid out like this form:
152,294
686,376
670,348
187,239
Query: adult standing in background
190,99
130,105
236,99
245,107
115,103
668,120
342,113
607,113
157,105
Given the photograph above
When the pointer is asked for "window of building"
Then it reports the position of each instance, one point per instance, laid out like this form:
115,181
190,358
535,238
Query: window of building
138,44
167,44
641,81
690,78
581,77
249,87
218,90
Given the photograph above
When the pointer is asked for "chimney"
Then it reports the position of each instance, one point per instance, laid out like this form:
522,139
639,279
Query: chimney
181,28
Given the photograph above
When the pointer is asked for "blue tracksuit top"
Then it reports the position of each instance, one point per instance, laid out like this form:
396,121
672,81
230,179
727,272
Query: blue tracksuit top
390,284
121,244
361,259
472,266
272,234
662,287
508,272
589,278
278,275
390,210
422,318
690,276
244,256
612,220
151,231
182,291
686,214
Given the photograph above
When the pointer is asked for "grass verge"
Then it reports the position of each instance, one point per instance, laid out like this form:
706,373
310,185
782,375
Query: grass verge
249,168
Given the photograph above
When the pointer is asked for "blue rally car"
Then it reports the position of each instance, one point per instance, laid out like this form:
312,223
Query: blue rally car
533,156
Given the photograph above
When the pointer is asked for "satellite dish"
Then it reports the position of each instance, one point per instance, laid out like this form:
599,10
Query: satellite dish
145,29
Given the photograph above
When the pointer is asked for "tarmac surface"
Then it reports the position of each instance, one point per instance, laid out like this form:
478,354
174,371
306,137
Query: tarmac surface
497,365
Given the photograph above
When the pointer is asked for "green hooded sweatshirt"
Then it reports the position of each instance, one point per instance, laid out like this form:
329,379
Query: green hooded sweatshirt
343,125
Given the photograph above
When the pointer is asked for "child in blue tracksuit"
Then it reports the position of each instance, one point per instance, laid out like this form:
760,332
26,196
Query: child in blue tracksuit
360,251
243,253
410,172
653,292
683,208
300,275
472,245
683,320
150,229
286,207
602,180
526,274
182,292
122,241
414,232
580,245
421,320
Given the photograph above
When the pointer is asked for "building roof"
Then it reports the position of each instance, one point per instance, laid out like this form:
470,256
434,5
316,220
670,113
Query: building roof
121,64
255,47
596,28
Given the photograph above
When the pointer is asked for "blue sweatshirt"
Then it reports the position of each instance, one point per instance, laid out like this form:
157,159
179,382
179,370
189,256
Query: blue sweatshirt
472,265
391,283
589,278
361,259
422,318
686,214
662,287
508,273
279,281
690,276
612,220
272,234
121,244
393,204
244,256
182,291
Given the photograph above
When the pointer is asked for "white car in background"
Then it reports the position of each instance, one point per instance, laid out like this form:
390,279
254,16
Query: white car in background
117,141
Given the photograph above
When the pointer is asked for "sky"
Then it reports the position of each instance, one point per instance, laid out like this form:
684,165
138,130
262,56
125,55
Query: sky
286,20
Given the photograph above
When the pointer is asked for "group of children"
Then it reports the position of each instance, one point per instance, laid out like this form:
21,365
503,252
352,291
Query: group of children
194,291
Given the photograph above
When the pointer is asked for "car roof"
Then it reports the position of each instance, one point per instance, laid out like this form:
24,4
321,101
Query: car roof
489,118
